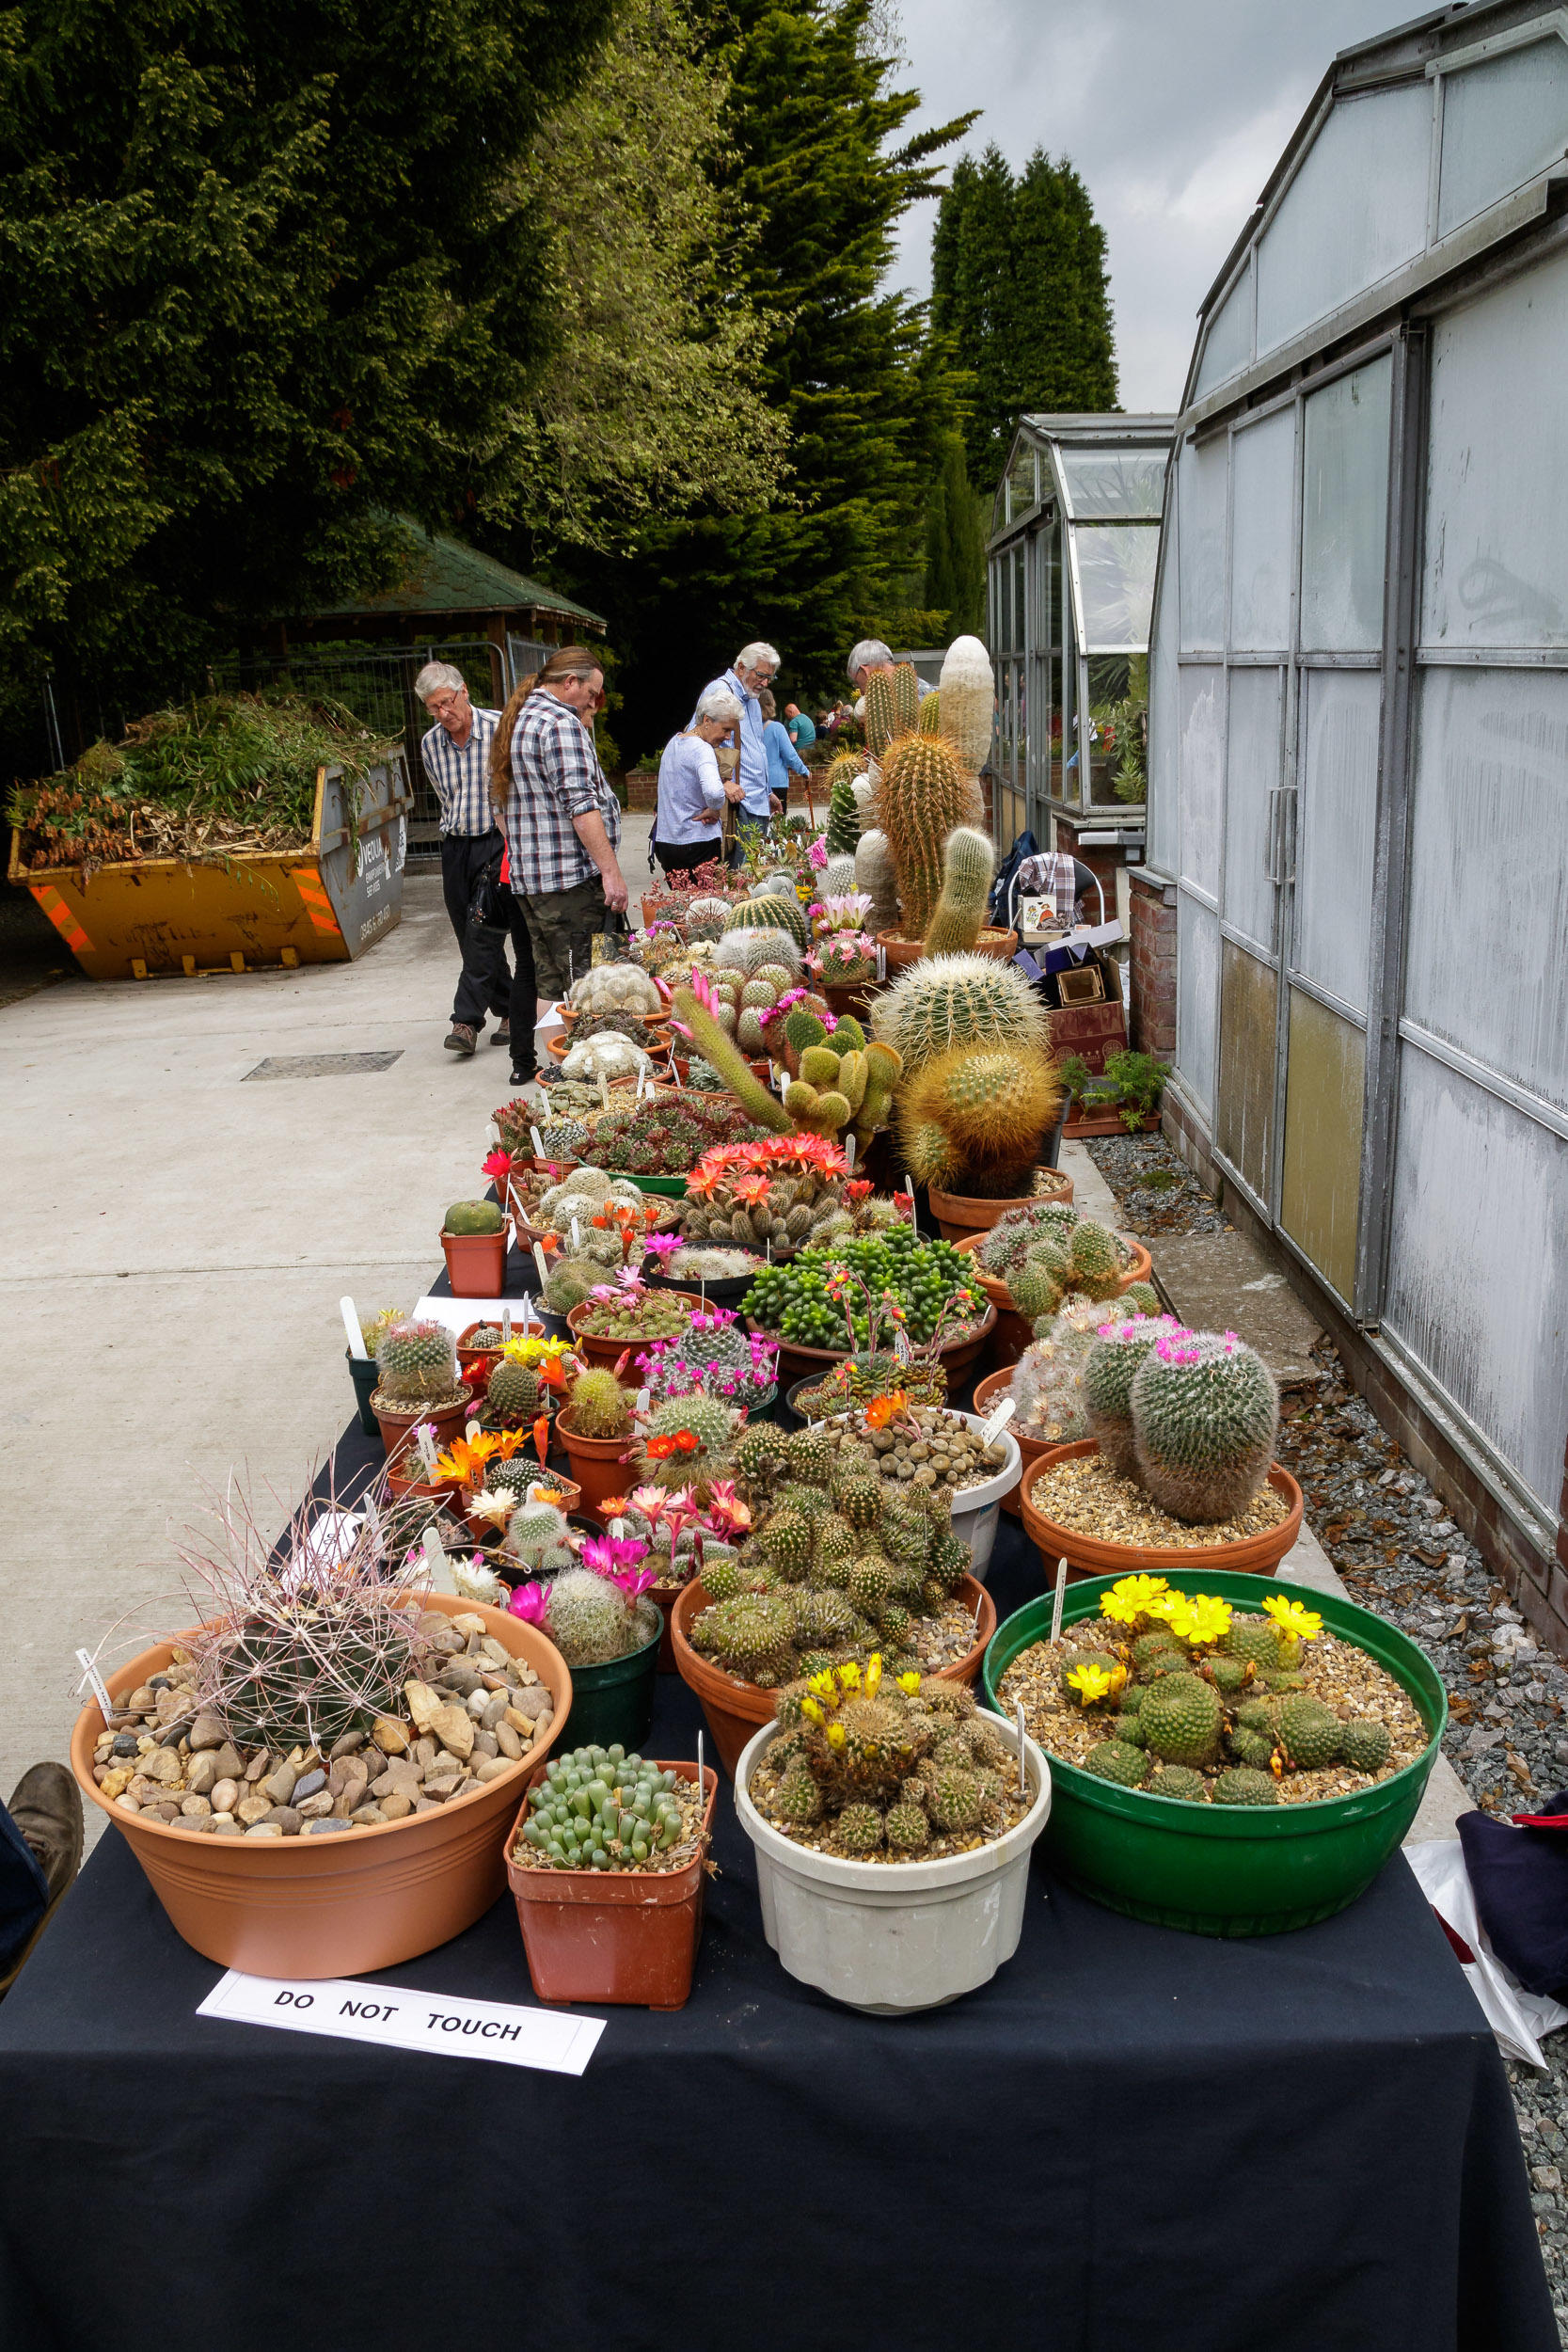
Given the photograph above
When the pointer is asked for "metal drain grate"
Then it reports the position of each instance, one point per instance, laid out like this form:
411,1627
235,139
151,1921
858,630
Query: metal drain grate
320,1065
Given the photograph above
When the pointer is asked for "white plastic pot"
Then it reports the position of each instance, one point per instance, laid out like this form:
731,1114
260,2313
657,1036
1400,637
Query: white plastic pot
890,1937
975,1510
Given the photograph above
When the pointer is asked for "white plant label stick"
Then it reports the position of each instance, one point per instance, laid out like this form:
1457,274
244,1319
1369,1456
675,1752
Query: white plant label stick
849,1154
371,1517
471,1431
909,1187
424,1438
493,1132
90,1674
645,1400
539,1260
702,1793
350,1325
1060,1601
604,1089
437,1564
618,1529
999,1419
1022,1765
506,1325
576,1237
538,1143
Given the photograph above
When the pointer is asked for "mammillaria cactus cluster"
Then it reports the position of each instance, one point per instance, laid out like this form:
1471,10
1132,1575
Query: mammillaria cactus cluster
615,988
1205,1414
713,1356
597,1609
417,1364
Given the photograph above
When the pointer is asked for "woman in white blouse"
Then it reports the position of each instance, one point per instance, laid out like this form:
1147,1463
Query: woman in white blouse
689,829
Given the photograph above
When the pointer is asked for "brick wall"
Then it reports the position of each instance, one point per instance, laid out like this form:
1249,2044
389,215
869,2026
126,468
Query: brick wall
1151,1015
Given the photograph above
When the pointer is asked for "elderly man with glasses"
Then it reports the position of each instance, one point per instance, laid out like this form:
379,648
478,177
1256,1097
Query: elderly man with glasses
871,655
754,667
457,757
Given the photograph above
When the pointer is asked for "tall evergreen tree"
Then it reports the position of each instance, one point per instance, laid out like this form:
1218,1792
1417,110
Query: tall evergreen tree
955,544
1019,287
818,175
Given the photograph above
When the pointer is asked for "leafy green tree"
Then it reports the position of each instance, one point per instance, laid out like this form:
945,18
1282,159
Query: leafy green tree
268,275
955,544
1019,287
815,175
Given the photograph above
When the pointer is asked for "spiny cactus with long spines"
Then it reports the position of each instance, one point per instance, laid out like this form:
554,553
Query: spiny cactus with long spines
968,690
753,950
722,1054
892,705
415,1364
973,1119
771,910
601,1407
944,1001
1112,1366
1205,1413
844,818
921,794
969,868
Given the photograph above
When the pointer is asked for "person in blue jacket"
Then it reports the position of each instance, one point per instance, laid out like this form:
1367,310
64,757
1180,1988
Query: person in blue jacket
784,760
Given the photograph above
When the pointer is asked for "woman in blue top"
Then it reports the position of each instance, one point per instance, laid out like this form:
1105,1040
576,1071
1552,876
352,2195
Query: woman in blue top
784,760
689,829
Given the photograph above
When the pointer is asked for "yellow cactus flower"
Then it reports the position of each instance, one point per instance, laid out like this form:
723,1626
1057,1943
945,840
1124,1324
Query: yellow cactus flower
824,1685
849,1674
874,1674
1090,1683
909,1684
1206,1618
836,1735
1120,1611
810,1709
1291,1617
1143,1589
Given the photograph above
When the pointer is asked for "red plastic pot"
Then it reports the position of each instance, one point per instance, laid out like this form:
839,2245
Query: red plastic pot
628,1936
476,1264
608,1352
396,1424
598,1464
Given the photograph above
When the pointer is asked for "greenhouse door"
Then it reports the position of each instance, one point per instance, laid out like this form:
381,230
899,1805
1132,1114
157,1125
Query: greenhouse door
1308,532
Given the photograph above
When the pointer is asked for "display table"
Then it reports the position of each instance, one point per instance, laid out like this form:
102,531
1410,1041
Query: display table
1131,2137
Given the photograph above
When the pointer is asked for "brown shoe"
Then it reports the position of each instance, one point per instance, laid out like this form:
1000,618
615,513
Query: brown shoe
461,1039
502,1034
46,1806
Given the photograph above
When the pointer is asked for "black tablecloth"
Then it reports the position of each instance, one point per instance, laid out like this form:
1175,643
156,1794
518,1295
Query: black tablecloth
1131,2137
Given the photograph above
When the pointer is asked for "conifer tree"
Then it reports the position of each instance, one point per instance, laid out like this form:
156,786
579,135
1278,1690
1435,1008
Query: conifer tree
954,545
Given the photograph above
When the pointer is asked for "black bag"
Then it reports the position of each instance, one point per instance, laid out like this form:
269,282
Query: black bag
490,906
1024,846
1520,1877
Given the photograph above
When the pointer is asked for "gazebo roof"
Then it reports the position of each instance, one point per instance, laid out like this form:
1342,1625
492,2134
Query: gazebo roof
442,576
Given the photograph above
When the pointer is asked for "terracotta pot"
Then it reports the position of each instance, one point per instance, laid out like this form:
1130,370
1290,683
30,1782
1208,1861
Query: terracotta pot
476,1363
332,1906
609,1352
989,1393
1014,1331
734,1710
597,1463
1108,1123
395,1423
901,951
802,1363
629,1936
853,1000
961,1212
1086,1555
476,1264
664,1598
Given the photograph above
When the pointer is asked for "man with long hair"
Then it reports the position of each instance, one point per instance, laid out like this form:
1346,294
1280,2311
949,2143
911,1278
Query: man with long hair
562,820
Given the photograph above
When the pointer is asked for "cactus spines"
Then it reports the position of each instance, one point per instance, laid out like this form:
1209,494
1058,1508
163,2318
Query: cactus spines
1204,1415
969,868
844,817
923,793
968,690
772,912
415,1363
930,714
874,875
991,1107
601,1407
753,950
1365,1744
944,1001
513,1391
592,1622
1110,1367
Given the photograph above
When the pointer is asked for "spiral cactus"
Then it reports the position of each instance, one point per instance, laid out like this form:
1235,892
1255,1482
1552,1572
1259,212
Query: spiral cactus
1204,1415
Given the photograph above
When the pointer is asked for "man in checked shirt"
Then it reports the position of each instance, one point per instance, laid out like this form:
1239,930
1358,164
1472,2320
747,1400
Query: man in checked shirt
456,755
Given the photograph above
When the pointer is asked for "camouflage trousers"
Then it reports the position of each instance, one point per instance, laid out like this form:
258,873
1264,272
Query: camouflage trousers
561,924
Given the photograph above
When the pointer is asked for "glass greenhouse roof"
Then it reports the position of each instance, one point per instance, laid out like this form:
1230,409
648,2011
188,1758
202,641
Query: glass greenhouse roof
1102,478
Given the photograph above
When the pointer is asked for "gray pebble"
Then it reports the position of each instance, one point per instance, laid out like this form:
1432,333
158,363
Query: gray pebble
321,1828
307,1784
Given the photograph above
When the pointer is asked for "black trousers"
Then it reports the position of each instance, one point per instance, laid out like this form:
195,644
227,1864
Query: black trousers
682,856
525,992
484,982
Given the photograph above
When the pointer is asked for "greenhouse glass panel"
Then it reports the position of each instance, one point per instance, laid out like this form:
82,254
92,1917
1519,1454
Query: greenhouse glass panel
1497,561
1477,1194
1203,474
1504,120
1117,711
1115,574
1164,841
1243,1120
1345,511
1336,824
1002,605
1320,1177
1263,462
1356,210
1022,482
1056,620
1228,348
1201,772
1489,868
1197,954
1021,600
1113,481
1251,779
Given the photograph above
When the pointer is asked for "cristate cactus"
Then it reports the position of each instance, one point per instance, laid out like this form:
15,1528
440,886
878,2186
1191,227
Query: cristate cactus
416,1363
1204,1415
1113,1363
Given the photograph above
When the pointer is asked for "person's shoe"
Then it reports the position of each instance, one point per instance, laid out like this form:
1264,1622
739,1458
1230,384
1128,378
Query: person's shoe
46,1806
461,1039
503,1035
527,1081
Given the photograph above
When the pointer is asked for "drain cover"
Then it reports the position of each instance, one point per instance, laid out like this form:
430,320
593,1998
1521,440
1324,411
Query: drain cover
320,1065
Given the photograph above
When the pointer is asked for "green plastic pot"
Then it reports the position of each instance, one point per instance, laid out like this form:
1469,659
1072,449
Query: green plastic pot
364,1372
615,1701
673,1188
1228,1870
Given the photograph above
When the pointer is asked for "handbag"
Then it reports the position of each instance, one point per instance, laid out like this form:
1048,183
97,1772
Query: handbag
490,906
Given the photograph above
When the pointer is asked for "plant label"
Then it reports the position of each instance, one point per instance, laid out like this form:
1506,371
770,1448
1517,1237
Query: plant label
424,1438
1060,1601
493,1132
539,1262
644,1403
576,1237
355,2010
437,1568
618,1529
506,1325
604,1089
350,1325
90,1674
849,1154
538,1142
999,1419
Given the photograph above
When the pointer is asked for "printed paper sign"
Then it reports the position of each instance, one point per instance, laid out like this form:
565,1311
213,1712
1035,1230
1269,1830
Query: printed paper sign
355,2010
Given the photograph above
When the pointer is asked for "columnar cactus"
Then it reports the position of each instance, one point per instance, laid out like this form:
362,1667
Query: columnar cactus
923,792
968,690
1204,1415
874,875
416,1363
844,818
969,868
959,1000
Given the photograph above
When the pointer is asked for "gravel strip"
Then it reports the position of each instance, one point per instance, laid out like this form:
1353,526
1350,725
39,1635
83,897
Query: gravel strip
1391,1539
1175,1202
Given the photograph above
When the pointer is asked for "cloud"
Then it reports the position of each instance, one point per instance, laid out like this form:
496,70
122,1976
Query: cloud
1174,115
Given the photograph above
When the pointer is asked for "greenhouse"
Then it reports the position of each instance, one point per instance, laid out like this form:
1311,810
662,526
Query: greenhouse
1075,532
1359,723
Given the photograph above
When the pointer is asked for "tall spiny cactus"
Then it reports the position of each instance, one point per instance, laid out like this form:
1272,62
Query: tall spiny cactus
930,714
874,874
968,692
969,868
843,821
992,1106
923,792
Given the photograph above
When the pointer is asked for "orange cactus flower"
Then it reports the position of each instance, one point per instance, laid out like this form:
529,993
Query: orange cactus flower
464,1460
542,1436
751,1191
882,1409
551,1375
613,1506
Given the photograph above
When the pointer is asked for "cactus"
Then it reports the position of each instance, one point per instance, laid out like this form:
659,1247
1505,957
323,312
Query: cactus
874,875
615,988
569,1282
959,1000
538,1540
992,1110
512,1392
1095,1265
416,1363
892,704
773,912
969,868
930,714
751,950
922,794
601,1408
592,1621
1016,1231
473,1216
844,818
1204,1415
1113,1365
725,1056
968,690
701,1416
865,1758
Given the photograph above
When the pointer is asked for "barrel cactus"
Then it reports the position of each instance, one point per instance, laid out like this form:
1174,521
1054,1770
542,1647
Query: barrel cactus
944,1001
1205,1413
415,1364
1110,1369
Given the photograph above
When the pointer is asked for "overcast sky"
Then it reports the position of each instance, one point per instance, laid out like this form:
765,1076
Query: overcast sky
1174,112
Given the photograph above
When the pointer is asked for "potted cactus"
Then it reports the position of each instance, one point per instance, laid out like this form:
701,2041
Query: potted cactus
1039,1253
418,1381
473,1240
716,1357
597,1612
609,1900
594,1426
920,799
1180,1472
623,1315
